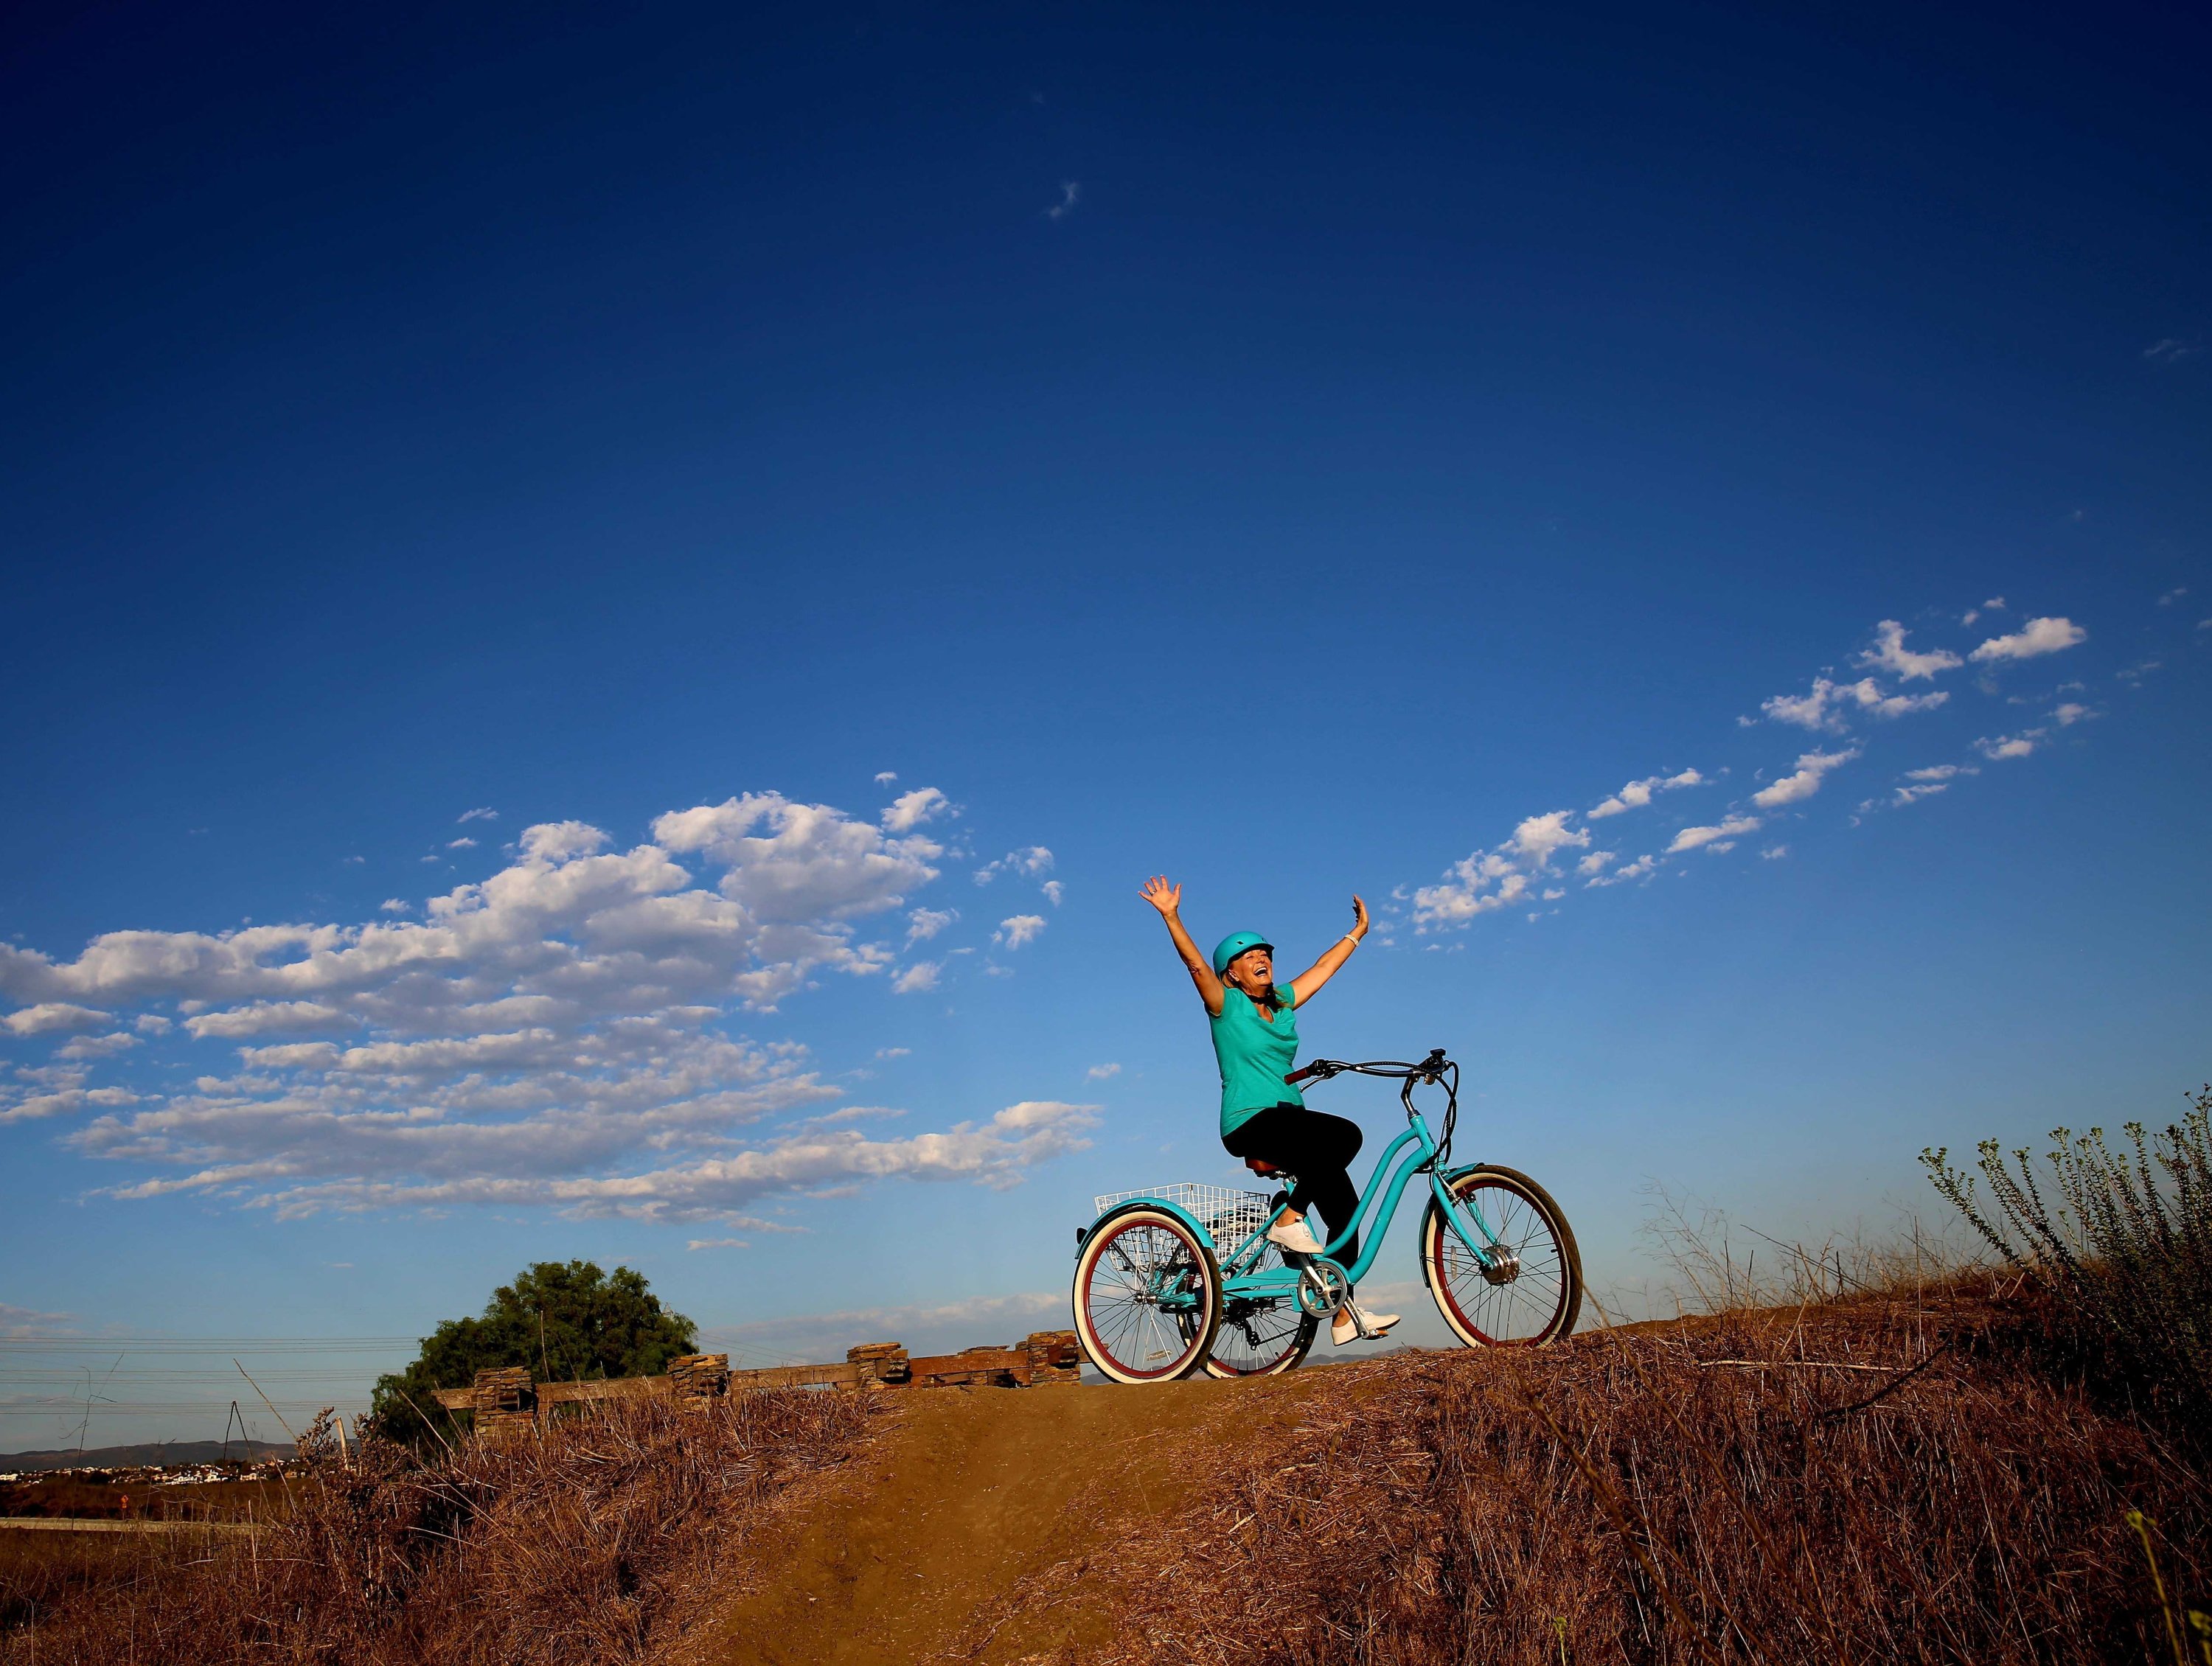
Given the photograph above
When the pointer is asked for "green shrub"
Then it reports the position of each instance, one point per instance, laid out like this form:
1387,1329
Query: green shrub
2122,1241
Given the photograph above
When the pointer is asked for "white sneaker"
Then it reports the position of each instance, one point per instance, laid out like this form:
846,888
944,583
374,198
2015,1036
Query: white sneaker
1295,1236
1352,1323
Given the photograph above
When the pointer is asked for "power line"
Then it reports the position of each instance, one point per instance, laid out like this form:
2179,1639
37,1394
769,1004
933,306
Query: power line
44,1341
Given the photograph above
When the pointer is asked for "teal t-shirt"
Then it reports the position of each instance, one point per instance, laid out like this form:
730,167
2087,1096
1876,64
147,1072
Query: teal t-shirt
1255,1056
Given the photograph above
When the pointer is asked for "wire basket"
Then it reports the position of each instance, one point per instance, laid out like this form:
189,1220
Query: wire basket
1230,1216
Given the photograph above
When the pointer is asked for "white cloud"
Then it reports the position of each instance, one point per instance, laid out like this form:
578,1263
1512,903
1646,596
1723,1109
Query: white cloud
395,906
1774,852
1829,704
993,1153
1101,1072
1522,868
2037,637
2010,745
65,1101
1033,863
1691,838
1071,193
1054,890
1536,839
151,1023
17,1322
719,1244
1639,868
1016,929
893,1053
2170,349
1804,782
1890,654
1813,711
98,1046
921,975
464,842
1490,880
265,1018
1467,892
910,809
486,814
789,862
923,923
551,1034
1925,790
50,1016
1871,699
1636,794
2173,595
884,777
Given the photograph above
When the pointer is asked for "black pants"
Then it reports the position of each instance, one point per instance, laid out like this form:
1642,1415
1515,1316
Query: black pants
1318,1149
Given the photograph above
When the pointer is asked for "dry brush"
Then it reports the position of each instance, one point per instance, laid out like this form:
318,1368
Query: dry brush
584,1545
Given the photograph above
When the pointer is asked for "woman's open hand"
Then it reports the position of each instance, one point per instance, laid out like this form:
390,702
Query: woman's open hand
1358,918
1168,898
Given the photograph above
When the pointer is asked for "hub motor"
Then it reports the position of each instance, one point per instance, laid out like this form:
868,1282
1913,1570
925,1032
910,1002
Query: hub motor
1503,1265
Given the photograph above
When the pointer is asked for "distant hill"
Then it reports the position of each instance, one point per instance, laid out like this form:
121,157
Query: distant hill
124,1458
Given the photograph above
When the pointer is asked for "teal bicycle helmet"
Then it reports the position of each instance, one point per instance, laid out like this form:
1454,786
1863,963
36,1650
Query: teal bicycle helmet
1235,944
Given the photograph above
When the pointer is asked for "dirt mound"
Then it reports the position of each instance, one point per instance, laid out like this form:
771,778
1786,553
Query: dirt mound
926,1546
1877,1479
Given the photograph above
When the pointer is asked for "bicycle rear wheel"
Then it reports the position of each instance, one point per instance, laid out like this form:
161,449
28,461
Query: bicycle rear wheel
1260,1336
1532,1292
1147,1296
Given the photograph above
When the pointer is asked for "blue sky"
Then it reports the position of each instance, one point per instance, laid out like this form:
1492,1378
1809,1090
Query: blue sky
606,613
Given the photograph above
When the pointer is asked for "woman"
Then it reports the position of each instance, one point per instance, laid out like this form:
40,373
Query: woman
1263,1119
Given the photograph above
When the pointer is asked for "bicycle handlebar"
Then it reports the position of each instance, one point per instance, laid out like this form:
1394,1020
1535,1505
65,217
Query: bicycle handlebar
1434,1071
1429,1069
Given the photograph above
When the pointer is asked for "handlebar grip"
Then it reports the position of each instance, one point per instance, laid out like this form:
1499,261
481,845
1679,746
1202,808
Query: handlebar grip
1303,1073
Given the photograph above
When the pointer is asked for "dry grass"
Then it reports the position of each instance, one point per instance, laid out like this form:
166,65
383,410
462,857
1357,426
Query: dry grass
1879,1479
589,1545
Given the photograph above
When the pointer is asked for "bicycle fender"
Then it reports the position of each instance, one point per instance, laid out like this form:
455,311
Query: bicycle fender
1451,1220
1164,1206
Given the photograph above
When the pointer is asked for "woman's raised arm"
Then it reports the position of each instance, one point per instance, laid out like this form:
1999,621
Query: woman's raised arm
1309,983
1168,898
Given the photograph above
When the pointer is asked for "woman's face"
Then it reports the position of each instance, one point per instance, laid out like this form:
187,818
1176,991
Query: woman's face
1252,972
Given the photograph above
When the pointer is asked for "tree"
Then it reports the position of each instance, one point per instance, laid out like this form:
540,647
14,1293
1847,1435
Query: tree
565,1321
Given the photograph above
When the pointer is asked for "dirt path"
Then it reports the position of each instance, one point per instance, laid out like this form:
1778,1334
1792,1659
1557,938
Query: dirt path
910,1553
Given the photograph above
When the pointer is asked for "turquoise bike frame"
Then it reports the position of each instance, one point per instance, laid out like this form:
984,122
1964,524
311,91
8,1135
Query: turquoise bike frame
1238,1278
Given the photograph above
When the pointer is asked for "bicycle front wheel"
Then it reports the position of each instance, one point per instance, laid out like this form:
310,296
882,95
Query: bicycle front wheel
1147,1296
1530,1291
